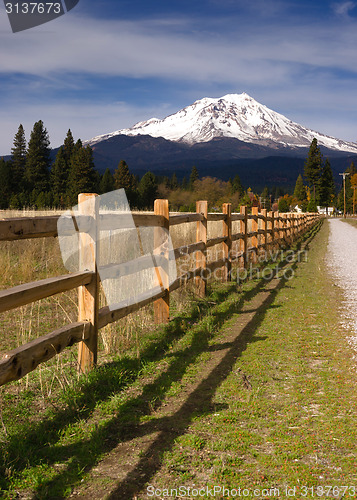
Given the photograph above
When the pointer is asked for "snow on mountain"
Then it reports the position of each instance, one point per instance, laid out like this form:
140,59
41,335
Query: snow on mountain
236,116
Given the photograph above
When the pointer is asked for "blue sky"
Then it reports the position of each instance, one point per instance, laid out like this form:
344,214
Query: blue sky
106,65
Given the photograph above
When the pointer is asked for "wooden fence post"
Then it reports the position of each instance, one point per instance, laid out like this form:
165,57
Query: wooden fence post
227,245
271,231
244,240
264,237
88,295
283,227
162,305
255,226
276,228
201,256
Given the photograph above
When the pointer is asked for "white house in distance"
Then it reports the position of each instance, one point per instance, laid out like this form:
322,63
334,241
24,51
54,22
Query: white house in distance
325,210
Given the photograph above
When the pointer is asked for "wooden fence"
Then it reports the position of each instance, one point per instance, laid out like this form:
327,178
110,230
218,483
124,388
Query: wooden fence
268,231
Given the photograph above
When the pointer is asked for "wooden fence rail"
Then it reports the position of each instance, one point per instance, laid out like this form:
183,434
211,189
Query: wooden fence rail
258,232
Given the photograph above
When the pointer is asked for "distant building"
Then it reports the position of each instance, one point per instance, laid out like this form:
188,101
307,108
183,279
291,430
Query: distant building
325,210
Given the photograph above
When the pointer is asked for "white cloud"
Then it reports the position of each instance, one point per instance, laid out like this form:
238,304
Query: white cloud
343,9
85,119
292,68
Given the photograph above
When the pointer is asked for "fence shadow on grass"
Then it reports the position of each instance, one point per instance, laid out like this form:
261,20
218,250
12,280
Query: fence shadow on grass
39,443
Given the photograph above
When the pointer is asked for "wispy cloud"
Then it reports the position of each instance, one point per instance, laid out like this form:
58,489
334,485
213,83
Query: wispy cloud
297,68
343,9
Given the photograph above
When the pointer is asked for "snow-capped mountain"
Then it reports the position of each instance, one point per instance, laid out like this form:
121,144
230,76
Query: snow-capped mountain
236,116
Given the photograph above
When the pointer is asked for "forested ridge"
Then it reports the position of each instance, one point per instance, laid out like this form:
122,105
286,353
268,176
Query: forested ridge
31,178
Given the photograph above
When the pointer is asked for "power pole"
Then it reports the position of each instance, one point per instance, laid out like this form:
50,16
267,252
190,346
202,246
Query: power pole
344,174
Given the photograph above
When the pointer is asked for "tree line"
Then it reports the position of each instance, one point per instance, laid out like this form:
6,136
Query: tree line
31,178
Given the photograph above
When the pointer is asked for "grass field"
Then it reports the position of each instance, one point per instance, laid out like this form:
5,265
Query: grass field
194,403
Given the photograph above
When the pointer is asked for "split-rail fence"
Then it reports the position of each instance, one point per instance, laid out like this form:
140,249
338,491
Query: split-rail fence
267,230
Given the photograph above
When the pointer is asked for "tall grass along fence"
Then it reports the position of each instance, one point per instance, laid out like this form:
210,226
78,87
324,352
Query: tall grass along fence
244,237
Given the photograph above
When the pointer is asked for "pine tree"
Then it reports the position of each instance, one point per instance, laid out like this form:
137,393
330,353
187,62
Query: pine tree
82,178
326,185
237,186
68,146
106,184
300,191
18,160
59,178
147,190
122,177
174,182
38,159
5,183
193,177
313,167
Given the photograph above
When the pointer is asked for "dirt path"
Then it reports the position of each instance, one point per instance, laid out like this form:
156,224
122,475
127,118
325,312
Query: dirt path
342,262
135,460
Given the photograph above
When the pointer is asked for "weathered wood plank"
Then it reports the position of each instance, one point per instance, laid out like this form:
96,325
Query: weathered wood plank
20,228
212,217
236,217
111,271
30,292
126,220
237,236
215,241
182,219
188,249
126,307
17,363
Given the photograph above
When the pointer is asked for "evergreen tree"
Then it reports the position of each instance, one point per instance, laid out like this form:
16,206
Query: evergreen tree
68,146
38,159
147,190
59,178
5,183
237,186
106,184
82,178
174,182
18,160
193,177
313,167
326,185
300,191
283,205
123,179
312,205
184,184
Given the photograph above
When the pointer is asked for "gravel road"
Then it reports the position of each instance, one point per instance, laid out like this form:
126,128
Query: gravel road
342,261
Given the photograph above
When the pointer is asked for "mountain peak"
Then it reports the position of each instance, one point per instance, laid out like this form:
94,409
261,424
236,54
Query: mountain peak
237,116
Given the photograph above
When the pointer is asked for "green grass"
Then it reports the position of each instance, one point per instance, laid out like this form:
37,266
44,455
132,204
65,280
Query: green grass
296,423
